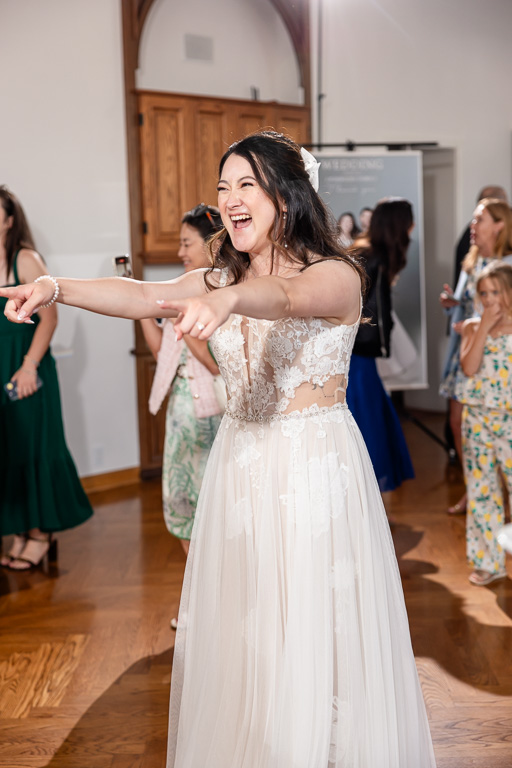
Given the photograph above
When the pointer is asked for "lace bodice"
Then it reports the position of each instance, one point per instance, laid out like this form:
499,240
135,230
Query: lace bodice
273,368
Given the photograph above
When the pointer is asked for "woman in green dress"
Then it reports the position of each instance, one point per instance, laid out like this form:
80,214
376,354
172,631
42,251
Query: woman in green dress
187,369
40,491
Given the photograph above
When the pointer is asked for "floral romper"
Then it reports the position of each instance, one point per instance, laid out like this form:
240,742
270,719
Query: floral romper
487,448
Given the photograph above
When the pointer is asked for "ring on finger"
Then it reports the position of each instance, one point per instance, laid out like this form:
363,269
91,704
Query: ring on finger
201,326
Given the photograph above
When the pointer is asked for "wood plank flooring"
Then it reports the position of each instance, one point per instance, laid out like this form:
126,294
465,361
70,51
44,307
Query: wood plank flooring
86,648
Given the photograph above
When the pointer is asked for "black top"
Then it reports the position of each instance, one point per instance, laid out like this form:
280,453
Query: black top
374,339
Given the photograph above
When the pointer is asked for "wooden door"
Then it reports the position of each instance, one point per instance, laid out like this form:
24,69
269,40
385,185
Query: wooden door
212,121
293,121
168,185
182,140
151,428
250,117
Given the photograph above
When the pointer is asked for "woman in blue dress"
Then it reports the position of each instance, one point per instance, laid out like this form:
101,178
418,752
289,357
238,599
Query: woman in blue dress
383,258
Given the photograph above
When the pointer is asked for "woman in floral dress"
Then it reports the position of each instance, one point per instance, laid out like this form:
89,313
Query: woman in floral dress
185,368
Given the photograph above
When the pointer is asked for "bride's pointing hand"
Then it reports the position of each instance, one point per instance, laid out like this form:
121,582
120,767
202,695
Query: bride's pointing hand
200,317
24,300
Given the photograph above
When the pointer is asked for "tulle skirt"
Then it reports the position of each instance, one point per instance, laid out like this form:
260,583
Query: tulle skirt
293,646
378,421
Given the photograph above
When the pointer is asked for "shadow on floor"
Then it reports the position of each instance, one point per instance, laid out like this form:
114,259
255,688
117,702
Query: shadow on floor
126,727
470,649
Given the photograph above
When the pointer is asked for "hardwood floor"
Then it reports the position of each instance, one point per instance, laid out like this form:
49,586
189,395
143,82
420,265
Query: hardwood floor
86,648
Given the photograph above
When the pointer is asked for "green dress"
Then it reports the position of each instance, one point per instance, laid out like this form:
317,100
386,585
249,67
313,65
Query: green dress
39,484
186,449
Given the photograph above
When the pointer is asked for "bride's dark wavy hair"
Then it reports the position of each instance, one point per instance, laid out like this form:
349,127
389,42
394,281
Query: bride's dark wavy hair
309,230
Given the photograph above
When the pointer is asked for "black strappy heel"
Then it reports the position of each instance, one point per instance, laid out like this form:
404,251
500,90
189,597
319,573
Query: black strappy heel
50,553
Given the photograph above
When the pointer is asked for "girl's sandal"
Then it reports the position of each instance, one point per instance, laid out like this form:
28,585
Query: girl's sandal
481,578
459,508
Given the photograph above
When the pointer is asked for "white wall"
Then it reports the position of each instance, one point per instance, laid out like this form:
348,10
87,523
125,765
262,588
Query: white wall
63,153
410,70
251,47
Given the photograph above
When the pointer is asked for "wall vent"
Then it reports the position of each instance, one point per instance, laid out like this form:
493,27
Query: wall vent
198,47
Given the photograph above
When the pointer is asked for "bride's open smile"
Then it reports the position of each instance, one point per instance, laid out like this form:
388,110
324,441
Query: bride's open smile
247,212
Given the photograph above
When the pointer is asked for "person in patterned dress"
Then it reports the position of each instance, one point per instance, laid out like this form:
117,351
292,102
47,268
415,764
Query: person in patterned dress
185,368
486,359
491,238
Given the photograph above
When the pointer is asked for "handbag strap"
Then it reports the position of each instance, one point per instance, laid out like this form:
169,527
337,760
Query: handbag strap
380,321
15,268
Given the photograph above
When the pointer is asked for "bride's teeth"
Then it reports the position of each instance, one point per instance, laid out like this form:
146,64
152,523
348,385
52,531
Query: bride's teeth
240,217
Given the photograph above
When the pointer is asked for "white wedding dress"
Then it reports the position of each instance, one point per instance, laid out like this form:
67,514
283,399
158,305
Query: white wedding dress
293,646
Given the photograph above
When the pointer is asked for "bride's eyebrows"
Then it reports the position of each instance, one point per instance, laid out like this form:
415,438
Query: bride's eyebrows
223,181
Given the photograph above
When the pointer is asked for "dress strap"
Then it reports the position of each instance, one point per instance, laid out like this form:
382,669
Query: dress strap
223,278
15,268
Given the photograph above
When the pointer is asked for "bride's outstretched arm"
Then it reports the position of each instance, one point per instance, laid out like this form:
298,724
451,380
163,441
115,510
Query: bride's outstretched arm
115,296
329,289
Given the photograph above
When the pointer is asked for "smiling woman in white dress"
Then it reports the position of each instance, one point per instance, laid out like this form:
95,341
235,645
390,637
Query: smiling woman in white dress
293,647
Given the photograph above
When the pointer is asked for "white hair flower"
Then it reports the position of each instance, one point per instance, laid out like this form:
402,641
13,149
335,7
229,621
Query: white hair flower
311,166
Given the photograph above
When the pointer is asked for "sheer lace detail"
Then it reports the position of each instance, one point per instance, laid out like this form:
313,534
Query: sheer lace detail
292,640
276,368
309,500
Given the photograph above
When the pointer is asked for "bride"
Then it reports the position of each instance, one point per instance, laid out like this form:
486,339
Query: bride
293,647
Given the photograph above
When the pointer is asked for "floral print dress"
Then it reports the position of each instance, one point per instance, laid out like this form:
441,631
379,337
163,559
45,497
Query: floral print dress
187,443
487,448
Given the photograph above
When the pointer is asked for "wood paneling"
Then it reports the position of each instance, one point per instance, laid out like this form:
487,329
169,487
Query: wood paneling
167,184
152,428
107,481
212,128
182,139
293,121
252,116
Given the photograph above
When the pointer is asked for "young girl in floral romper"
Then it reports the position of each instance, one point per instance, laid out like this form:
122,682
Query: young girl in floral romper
486,359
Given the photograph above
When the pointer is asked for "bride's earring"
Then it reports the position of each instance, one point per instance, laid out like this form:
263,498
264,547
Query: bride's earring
284,228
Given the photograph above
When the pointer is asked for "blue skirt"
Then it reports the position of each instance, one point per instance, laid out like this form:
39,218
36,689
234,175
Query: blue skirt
377,419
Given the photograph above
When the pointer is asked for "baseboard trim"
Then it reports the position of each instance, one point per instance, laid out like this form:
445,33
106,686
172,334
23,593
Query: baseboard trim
108,481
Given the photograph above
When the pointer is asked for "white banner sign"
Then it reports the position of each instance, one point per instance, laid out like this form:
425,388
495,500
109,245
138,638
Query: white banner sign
350,181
